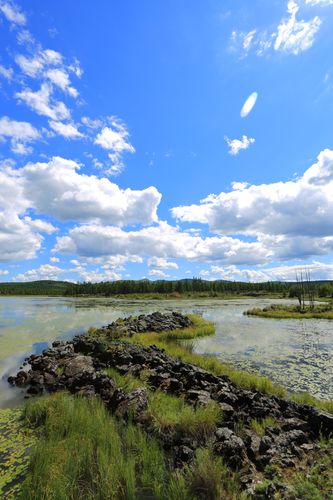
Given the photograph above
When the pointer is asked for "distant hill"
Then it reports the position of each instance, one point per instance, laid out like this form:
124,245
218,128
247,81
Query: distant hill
43,287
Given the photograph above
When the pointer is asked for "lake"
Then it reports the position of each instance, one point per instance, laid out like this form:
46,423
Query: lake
294,353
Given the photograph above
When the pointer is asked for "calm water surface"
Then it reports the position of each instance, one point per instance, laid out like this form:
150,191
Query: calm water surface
295,353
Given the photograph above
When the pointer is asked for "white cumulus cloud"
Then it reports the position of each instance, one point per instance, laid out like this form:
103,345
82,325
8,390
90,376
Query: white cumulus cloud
12,13
236,145
161,263
19,133
115,138
292,218
43,104
67,130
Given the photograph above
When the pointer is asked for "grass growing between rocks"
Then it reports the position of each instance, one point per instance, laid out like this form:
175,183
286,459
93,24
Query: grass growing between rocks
245,380
305,398
171,413
260,426
84,453
317,482
284,312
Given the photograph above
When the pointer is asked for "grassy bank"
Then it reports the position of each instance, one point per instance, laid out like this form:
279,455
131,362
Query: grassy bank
112,461
279,311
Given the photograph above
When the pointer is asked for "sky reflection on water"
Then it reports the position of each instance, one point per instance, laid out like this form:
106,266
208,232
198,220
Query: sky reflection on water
295,353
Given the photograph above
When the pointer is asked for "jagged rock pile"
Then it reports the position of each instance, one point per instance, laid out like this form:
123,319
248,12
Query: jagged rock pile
78,366
155,322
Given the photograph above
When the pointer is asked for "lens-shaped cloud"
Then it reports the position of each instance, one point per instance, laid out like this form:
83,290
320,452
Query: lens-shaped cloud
249,104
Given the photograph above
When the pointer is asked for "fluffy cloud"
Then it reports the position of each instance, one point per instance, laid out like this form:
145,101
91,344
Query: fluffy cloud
34,66
60,78
43,104
67,130
317,270
249,104
43,272
58,189
19,133
115,138
6,72
18,239
12,13
162,241
295,36
51,272
49,65
157,273
286,217
291,36
160,263
236,145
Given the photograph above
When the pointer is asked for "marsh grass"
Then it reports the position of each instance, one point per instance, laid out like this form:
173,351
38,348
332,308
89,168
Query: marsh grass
305,398
87,454
126,382
293,312
316,482
84,453
172,413
210,479
260,426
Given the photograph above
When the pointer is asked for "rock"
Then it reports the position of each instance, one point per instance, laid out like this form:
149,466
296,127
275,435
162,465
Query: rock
78,366
294,423
294,436
223,434
87,391
184,455
133,404
232,450
320,421
252,442
264,445
199,397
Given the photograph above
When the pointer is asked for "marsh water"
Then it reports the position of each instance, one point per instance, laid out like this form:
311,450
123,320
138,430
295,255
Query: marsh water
294,353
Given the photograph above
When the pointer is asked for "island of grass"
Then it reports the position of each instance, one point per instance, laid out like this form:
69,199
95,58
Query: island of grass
319,311
136,414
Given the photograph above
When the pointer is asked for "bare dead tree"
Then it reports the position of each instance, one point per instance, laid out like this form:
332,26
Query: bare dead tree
300,290
310,290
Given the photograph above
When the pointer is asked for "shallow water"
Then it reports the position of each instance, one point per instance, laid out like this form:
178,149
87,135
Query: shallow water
295,353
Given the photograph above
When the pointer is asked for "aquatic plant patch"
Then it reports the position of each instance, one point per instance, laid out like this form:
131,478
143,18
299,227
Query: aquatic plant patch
16,441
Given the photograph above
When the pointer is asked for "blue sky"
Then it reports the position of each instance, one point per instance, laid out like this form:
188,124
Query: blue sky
166,139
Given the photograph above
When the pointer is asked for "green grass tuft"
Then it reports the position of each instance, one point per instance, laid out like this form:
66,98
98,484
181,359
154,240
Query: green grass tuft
172,413
305,398
260,426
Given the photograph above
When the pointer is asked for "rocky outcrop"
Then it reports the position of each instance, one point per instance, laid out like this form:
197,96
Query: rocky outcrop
155,322
79,365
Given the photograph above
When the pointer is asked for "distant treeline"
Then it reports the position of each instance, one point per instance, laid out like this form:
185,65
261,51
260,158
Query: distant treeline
186,286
